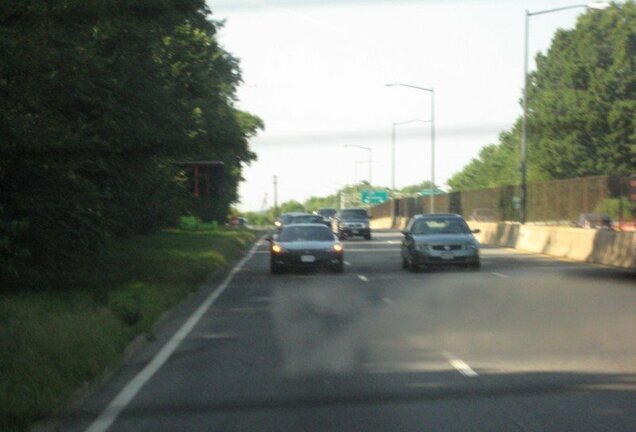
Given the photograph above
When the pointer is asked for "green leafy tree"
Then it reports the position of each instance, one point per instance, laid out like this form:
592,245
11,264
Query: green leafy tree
291,206
314,203
100,100
581,108
582,97
416,188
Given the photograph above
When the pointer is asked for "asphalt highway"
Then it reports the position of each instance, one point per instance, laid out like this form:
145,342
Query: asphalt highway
528,343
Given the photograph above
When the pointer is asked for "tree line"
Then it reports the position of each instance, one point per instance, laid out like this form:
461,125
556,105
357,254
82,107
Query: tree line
99,101
581,108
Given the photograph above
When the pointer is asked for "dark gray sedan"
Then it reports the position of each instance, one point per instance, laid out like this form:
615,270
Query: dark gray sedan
439,239
305,246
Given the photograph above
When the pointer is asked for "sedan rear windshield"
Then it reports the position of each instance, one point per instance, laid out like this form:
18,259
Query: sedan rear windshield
440,226
305,233
354,214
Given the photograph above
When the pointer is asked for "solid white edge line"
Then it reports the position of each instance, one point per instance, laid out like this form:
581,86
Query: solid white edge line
363,278
126,395
347,263
501,275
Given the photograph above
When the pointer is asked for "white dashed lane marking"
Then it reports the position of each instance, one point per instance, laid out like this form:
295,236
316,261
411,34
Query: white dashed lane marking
363,278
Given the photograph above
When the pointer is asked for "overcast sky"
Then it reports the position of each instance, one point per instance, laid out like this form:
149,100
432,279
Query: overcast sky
315,72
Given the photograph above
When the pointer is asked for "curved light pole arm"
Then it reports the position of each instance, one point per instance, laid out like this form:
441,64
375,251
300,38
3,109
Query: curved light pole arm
370,157
432,92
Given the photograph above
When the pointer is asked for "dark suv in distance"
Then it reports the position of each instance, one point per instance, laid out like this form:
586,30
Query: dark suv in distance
327,213
352,222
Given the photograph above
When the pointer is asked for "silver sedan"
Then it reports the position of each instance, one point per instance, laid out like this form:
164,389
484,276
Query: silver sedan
439,239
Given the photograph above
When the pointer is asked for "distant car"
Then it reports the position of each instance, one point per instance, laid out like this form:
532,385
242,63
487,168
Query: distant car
305,245
482,215
439,239
594,221
285,219
327,213
242,222
308,218
352,222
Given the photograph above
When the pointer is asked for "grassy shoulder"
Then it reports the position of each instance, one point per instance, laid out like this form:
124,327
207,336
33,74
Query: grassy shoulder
51,343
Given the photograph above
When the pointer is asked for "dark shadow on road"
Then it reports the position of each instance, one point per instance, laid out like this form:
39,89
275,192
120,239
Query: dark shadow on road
601,273
365,389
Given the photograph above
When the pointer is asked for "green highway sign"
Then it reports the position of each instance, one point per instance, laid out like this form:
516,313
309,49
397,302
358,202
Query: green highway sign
429,192
374,196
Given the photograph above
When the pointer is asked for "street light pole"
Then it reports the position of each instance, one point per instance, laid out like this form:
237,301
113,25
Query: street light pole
370,159
275,196
523,205
432,92
394,125
393,156
432,151
356,163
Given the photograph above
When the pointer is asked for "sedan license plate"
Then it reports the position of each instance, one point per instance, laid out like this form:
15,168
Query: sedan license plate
448,255
307,258
355,231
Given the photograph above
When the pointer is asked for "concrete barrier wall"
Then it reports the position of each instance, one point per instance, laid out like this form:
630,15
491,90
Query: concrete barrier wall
388,223
381,223
593,246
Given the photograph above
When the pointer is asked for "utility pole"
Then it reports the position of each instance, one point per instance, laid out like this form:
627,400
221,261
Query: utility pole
275,196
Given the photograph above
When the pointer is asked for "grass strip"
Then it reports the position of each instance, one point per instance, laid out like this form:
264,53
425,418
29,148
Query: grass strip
53,342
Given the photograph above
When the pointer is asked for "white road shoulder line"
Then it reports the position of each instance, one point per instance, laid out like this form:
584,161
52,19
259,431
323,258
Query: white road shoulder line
501,275
363,278
347,263
121,401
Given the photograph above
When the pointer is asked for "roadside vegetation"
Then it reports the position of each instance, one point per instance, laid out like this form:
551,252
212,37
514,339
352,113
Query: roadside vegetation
54,342
581,105
100,101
